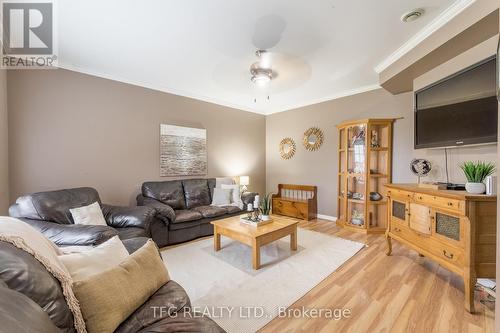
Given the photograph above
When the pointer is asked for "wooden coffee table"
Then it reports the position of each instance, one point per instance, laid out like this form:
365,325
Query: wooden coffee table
255,236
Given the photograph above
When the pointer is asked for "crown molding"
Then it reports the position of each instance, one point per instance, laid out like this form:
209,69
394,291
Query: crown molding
167,90
203,98
440,21
345,93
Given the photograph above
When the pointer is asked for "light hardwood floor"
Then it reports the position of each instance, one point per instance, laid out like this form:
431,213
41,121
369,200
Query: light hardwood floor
400,293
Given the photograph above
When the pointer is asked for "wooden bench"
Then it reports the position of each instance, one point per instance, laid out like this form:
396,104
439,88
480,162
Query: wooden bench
299,201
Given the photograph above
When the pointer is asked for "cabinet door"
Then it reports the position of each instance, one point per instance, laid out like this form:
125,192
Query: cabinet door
399,210
420,218
447,227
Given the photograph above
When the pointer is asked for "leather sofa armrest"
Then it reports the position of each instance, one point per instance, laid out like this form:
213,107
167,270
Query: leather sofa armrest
73,234
163,211
123,217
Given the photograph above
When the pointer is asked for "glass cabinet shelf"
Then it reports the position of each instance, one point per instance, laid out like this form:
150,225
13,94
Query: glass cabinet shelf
364,167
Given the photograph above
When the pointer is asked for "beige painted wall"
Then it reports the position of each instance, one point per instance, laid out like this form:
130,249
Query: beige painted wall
68,129
4,147
320,167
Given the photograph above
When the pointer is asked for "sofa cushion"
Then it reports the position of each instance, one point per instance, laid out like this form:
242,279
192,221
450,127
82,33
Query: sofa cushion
168,300
185,321
54,205
186,215
169,192
211,211
131,232
23,273
134,244
196,193
232,209
18,313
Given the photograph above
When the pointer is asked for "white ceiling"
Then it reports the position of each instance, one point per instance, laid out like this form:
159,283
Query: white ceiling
321,49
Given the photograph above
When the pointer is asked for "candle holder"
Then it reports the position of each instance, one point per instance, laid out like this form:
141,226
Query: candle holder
253,215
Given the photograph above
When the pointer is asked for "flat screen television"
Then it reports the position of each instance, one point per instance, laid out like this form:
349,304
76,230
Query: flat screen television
459,110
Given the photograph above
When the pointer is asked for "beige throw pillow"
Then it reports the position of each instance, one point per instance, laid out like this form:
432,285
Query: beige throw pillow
88,215
107,255
108,298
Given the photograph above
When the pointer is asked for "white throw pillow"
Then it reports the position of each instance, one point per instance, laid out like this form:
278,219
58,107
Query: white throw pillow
223,180
222,197
88,215
96,260
236,197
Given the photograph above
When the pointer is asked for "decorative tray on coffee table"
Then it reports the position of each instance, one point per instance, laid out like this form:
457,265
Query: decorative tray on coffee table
254,222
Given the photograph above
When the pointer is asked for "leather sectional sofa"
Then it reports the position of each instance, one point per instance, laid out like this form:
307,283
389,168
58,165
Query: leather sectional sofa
183,210
48,212
32,300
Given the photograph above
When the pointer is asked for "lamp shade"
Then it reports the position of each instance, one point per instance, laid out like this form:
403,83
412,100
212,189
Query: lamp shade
244,180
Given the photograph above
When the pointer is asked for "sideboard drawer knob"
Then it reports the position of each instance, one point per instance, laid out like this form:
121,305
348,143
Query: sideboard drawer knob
449,256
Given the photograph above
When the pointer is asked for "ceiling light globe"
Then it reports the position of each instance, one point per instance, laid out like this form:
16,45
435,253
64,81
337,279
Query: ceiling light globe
261,79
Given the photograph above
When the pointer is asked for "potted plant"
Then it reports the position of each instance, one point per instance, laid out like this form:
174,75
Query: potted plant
265,207
476,172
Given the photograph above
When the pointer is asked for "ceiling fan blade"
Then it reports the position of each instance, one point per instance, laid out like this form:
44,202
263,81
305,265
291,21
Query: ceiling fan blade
268,31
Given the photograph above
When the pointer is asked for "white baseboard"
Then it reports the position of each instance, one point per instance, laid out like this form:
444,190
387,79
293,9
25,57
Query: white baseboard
326,217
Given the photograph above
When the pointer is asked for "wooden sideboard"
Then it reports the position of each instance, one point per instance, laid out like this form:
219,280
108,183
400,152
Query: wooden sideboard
454,228
298,201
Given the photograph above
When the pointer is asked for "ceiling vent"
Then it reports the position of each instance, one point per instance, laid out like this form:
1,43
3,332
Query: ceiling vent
413,15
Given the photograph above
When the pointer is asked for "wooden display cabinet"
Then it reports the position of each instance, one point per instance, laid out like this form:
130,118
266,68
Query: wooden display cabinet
365,159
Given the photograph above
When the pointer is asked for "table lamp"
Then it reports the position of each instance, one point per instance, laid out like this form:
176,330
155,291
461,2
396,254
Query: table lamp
244,182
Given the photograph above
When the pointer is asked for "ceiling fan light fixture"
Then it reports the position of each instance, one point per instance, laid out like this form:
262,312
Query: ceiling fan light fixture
261,76
261,71
412,15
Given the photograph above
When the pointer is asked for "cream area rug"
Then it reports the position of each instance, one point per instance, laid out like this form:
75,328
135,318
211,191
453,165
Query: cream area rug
224,286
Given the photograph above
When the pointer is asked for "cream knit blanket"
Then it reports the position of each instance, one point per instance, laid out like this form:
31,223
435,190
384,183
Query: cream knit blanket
26,238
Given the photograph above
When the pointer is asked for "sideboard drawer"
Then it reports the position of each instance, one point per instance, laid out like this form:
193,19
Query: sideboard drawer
447,253
400,194
441,202
450,254
401,231
411,236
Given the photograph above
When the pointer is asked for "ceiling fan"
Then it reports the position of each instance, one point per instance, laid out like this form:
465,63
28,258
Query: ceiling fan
261,70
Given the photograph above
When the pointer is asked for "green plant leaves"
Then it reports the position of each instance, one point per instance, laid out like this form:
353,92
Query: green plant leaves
476,172
265,205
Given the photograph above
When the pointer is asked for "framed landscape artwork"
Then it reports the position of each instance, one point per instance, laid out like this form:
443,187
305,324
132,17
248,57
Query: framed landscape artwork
183,151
